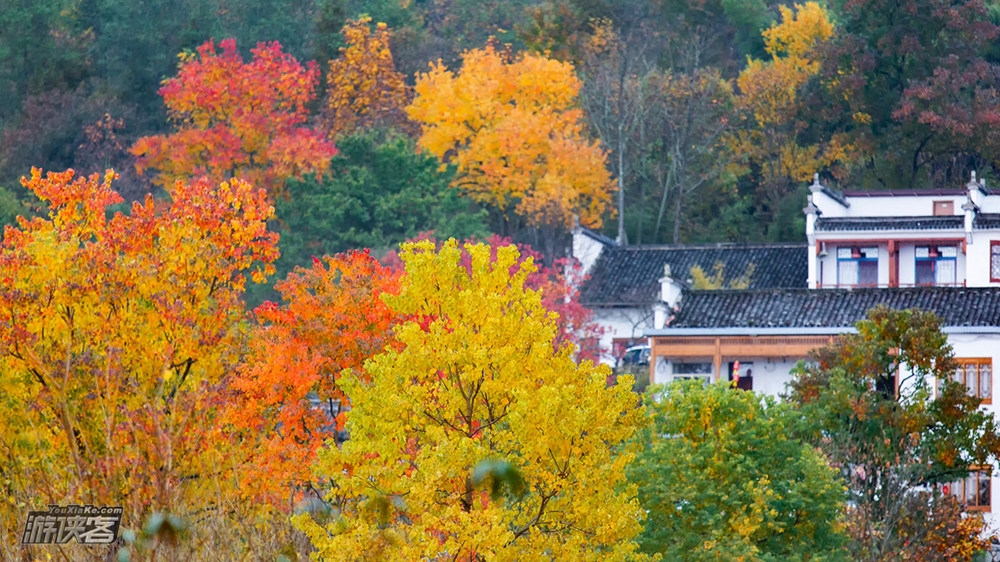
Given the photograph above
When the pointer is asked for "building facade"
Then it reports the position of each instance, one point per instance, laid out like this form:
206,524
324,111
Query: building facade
933,250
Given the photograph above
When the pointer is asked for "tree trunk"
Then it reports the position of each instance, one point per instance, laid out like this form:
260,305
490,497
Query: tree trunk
622,235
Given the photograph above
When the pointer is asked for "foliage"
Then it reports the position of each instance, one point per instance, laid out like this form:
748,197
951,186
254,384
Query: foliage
722,480
772,137
364,89
380,191
703,282
10,207
511,128
688,129
477,379
117,333
913,85
39,51
81,129
937,528
237,119
888,434
286,399
617,104
560,286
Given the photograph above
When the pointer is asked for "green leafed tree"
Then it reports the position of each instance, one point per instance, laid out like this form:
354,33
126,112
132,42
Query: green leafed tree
380,191
722,480
883,407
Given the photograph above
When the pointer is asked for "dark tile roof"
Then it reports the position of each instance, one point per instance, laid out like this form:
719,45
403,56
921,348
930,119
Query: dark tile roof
598,237
890,223
836,196
907,193
832,308
985,221
629,275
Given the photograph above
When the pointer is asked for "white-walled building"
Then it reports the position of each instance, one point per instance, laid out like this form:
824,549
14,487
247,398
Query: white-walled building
933,250
623,289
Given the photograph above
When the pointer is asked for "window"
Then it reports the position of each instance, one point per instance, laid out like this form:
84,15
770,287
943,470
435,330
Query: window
944,208
857,266
745,380
687,371
935,265
995,261
974,492
976,375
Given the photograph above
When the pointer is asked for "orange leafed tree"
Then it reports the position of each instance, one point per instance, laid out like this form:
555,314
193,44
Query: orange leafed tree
513,129
116,335
286,397
365,89
237,119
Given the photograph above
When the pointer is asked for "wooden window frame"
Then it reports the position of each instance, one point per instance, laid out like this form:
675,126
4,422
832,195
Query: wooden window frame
857,256
704,377
964,362
977,474
994,255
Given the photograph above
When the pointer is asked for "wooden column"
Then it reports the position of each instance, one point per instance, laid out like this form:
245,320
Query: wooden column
893,264
718,359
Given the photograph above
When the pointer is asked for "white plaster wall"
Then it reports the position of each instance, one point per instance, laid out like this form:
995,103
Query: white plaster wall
769,377
990,204
586,250
621,323
888,206
907,273
977,271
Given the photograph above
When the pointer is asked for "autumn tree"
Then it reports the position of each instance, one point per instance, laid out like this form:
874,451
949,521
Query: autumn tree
914,85
722,480
559,285
884,408
703,281
686,150
237,119
512,128
476,379
364,89
117,334
771,143
286,400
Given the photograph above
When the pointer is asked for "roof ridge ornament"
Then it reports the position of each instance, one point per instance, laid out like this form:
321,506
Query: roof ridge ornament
816,186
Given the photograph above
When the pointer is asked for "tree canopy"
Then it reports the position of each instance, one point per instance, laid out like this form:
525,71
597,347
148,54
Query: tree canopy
883,405
477,379
722,479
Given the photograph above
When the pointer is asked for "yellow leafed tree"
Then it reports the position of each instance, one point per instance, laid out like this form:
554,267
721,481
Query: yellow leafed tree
116,336
513,129
477,383
364,87
769,96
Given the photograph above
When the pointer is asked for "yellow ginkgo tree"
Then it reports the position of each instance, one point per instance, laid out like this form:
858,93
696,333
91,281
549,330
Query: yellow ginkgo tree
475,439
513,128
